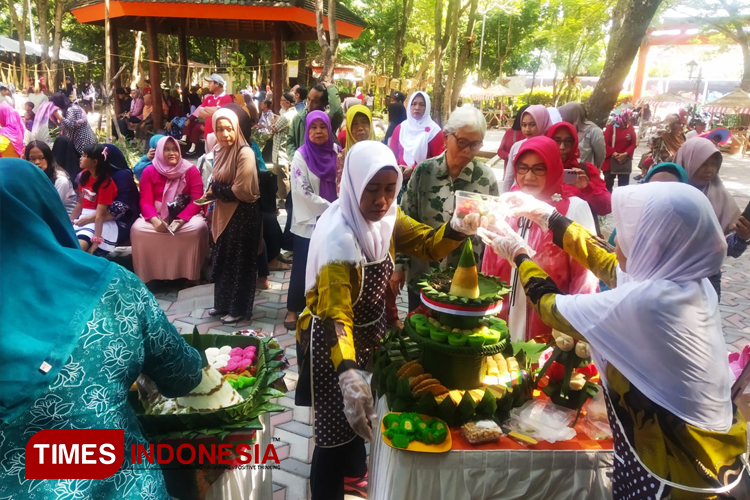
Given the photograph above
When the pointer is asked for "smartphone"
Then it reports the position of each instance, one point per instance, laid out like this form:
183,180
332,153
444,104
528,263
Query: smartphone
570,176
746,213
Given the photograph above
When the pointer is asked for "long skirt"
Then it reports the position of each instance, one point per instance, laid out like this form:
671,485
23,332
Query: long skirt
161,256
272,235
235,256
296,297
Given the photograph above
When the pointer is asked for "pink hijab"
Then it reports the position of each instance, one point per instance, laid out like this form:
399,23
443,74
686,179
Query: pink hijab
11,126
175,175
541,117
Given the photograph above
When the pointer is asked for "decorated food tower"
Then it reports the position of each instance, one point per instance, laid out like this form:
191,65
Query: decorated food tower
454,359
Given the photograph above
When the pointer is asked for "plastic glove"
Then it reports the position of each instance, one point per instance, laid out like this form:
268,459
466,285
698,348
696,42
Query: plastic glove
469,224
358,405
504,241
524,205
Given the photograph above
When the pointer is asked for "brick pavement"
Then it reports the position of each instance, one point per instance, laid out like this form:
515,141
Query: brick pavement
188,307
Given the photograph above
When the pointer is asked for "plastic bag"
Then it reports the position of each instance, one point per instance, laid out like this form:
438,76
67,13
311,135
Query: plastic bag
543,421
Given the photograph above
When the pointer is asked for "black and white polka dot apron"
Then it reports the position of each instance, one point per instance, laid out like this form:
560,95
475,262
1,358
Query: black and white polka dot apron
631,479
330,425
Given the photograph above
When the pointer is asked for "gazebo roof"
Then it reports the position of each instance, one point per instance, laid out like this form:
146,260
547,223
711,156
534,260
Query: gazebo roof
737,101
241,19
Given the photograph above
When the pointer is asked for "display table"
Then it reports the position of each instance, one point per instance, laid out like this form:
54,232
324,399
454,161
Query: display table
578,469
244,483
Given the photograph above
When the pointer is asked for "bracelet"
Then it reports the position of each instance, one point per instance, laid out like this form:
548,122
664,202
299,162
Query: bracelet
97,239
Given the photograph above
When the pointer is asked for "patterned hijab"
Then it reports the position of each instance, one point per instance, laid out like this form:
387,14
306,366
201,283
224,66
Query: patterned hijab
11,126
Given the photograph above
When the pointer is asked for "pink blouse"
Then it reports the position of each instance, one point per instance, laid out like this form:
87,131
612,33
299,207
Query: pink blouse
152,191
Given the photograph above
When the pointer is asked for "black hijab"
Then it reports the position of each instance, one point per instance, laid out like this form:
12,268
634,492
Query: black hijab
396,115
517,121
61,101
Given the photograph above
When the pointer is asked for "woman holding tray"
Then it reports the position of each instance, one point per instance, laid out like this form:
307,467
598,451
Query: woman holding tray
656,336
348,267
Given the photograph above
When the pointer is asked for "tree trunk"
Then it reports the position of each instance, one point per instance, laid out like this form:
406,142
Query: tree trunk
42,12
452,27
56,79
20,25
745,85
533,81
136,73
329,45
621,52
501,58
398,58
463,56
425,64
437,86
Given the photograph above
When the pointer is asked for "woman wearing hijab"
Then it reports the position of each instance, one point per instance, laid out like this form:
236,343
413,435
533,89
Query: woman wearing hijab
12,131
591,141
127,121
40,129
535,121
358,127
73,122
655,337
417,138
348,103
702,162
664,145
589,185
511,136
396,115
539,173
236,222
313,190
125,209
148,158
351,251
272,235
621,143
69,362
171,239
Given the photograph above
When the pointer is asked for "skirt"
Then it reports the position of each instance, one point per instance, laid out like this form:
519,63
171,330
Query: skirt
161,256
235,262
109,231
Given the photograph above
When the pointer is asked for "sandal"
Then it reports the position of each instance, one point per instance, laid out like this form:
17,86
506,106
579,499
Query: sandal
231,319
281,266
291,324
216,312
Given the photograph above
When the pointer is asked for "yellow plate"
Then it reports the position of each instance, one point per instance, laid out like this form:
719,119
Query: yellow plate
416,445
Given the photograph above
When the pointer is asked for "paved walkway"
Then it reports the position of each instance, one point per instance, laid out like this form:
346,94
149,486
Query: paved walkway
188,307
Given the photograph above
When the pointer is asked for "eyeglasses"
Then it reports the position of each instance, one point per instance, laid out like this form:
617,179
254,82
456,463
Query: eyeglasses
568,142
538,170
465,143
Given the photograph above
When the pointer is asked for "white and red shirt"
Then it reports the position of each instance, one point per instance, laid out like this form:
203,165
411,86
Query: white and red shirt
212,101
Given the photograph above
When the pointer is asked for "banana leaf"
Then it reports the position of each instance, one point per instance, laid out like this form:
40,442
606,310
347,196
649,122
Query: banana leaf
257,398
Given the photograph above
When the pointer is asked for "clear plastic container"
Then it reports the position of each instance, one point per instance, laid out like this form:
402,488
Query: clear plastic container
483,431
473,203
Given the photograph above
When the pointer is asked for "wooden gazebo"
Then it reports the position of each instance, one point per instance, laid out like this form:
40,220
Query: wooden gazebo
277,21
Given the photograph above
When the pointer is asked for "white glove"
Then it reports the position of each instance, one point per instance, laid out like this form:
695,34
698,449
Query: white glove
469,224
524,205
504,241
358,404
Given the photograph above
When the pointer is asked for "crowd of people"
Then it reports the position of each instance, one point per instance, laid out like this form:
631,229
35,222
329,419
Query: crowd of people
365,218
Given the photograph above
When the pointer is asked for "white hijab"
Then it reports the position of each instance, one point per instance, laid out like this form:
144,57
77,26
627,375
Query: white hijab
661,326
342,234
415,134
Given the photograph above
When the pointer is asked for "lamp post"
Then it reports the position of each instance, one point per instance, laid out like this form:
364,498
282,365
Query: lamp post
481,48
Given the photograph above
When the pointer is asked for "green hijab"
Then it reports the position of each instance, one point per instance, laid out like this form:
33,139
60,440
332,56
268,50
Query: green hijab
49,287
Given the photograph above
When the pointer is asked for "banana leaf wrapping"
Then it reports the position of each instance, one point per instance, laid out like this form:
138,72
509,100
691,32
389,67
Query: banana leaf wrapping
436,286
257,399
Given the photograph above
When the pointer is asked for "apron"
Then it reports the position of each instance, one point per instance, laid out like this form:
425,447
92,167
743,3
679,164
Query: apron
631,480
330,425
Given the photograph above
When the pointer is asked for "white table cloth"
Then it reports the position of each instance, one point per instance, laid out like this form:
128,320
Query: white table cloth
497,474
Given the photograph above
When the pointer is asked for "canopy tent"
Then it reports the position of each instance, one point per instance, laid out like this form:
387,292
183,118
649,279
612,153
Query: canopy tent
34,49
667,97
479,94
736,102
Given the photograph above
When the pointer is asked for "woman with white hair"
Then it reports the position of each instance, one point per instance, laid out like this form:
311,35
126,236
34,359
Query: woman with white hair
430,196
